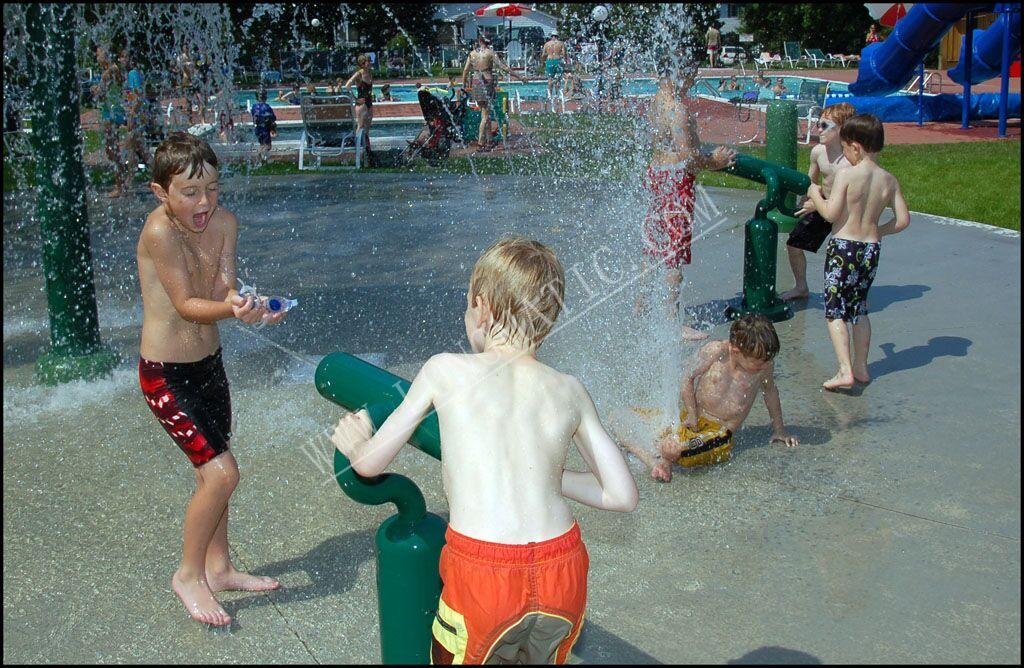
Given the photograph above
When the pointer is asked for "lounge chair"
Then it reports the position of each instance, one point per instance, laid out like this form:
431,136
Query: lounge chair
816,56
793,54
766,60
328,128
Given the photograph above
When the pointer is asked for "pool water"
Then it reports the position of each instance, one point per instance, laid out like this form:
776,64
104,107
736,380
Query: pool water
798,88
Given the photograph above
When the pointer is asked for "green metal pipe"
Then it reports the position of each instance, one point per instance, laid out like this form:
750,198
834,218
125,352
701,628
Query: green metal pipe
75,347
384,488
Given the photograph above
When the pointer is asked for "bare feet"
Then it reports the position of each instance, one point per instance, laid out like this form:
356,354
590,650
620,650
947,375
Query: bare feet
794,295
862,377
199,601
840,381
662,471
691,334
238,581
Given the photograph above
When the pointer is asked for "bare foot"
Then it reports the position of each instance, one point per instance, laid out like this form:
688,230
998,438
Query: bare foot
691,334
235,580
662,471
862,378
840,381
794,295
199,601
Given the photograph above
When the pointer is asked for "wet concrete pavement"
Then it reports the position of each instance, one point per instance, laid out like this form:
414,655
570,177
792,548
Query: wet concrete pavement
891,534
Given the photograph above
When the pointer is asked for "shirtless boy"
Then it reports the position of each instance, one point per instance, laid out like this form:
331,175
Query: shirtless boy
672,176
553,55
481,63
514,567
186,256
860,194
717,395
827,158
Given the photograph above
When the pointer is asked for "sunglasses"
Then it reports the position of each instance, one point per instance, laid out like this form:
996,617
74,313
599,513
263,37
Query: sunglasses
825,125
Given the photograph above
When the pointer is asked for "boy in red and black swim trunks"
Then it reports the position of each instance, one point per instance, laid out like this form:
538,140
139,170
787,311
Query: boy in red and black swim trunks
186,256
672,176
514,565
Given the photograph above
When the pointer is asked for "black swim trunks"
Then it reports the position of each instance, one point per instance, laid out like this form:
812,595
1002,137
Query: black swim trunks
850,268
192,401
810,232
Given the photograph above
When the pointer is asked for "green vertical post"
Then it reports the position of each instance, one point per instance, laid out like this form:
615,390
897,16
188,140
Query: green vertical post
408,544
780,148
75,348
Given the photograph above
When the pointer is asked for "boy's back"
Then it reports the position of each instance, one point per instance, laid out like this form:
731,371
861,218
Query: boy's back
866,190
506,426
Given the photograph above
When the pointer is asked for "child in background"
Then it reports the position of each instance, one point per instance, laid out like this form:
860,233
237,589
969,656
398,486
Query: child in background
827,158
186,257
860,194
264,122
514,566
717,394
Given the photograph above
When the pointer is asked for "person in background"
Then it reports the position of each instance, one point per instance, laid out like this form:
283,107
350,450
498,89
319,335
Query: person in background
873,35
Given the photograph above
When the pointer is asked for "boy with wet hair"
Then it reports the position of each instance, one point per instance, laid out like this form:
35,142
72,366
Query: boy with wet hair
860,194
514,566
827,158
186,258
717,394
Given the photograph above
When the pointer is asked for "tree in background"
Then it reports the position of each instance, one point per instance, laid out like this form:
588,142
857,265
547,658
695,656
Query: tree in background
376,27
831,27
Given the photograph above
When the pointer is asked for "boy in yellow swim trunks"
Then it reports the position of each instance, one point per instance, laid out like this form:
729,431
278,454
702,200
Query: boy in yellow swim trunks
717,394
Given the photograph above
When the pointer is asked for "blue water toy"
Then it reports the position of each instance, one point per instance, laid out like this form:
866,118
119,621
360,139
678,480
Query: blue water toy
280,304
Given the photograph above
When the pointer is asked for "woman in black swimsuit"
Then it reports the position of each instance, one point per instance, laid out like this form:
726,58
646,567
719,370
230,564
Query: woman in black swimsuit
363,79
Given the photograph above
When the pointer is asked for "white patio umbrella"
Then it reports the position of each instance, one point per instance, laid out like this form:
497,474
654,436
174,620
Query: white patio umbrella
503,10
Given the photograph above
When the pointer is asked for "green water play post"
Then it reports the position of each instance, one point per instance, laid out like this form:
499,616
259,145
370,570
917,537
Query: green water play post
76,351
781,124
761,235
408,544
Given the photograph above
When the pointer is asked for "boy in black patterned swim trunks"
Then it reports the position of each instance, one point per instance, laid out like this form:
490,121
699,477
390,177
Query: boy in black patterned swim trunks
859,195
186,256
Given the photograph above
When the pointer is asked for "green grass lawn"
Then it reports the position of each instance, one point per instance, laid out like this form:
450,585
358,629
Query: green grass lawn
977,181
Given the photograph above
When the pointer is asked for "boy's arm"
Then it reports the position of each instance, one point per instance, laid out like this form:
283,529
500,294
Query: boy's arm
688,388
608,485
224,283
774,405
901,217
176,281
370,455
465,71
814,173
830,208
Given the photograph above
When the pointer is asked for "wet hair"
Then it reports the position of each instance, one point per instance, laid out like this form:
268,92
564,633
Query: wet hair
524,284
840,112
363,59
754,336
866,130
179,152
385,87
261,96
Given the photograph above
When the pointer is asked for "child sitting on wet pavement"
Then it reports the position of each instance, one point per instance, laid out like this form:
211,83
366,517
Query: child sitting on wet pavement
717,394
514,566
860,195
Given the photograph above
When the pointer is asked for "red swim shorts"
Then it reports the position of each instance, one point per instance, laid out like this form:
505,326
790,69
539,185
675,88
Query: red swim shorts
192,401
668,226
510,603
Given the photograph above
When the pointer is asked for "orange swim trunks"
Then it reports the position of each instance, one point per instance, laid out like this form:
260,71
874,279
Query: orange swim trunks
669,226
510,603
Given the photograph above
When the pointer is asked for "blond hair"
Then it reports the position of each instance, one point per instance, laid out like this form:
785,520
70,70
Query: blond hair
839,112
523,283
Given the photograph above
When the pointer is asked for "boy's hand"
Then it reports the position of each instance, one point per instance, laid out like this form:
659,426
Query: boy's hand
783,436
352,431
807,207
246,310
691,421
724,157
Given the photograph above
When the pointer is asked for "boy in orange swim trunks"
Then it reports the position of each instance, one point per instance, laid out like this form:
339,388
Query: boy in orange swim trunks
514,566
672,176
717,395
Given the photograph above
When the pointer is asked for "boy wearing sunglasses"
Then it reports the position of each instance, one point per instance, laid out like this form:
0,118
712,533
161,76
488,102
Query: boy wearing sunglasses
811,231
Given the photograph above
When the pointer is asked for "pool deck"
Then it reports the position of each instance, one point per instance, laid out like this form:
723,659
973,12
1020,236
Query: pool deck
891,534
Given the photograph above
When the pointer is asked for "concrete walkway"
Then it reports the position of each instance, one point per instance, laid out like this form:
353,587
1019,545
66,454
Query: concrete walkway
891,534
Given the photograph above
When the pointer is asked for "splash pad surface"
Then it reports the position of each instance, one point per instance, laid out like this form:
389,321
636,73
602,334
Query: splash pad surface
896,520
